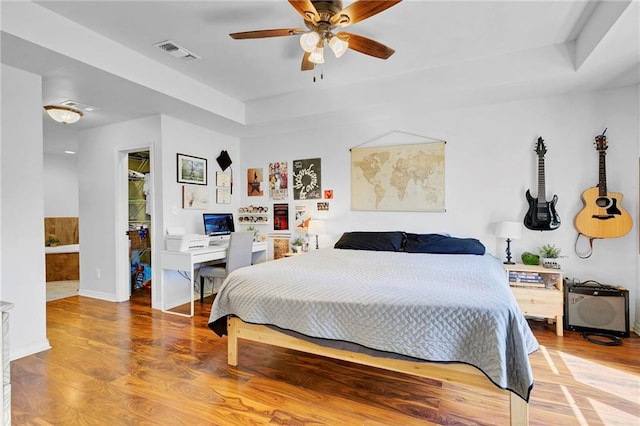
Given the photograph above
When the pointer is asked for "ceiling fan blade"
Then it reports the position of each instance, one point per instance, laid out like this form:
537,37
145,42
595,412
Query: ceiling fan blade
307,65
306,9
361,10
282,32
366,45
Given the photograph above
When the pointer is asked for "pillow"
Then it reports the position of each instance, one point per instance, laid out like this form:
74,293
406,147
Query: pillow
376,241
442,244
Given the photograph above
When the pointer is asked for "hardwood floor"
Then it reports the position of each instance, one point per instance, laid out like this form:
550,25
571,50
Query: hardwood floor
125,364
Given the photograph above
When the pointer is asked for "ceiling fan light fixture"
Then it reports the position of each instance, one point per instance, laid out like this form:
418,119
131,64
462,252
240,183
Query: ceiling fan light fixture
309,41
63,114
317,56
338,46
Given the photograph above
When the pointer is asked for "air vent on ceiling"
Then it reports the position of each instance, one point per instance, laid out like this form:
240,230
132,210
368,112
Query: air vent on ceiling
79,105
176,51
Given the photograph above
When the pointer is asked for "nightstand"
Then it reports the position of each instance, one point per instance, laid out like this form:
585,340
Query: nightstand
538,292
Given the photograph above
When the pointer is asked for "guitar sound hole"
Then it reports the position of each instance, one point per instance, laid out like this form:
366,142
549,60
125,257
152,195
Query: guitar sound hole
603,202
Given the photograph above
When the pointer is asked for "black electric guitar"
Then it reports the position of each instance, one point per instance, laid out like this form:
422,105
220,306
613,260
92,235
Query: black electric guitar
542,215
602,215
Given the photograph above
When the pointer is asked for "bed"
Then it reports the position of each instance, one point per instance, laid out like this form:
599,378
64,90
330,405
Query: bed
387,308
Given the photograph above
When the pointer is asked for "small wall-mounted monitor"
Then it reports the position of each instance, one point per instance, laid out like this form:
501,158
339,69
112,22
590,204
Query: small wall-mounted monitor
218,226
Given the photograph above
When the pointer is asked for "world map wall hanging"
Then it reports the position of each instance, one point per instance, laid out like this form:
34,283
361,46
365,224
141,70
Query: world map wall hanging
398,178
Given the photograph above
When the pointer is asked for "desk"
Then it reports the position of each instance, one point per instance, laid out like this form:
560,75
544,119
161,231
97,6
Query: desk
185,262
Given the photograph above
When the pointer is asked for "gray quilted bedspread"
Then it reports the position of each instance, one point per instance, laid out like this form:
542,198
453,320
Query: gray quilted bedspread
434,307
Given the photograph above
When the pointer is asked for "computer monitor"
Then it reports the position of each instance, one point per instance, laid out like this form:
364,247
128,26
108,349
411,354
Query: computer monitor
218,226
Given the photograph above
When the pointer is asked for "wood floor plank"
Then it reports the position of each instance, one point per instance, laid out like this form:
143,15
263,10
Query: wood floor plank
126,364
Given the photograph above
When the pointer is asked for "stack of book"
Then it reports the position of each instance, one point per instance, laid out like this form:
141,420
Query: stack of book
525,279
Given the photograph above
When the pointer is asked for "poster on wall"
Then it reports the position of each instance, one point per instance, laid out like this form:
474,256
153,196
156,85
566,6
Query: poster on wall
279,245
281,217
278,182
398,178
195,197
302,217
306,179
254,183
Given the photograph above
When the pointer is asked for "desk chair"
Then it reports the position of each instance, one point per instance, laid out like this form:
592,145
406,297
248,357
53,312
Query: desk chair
239,255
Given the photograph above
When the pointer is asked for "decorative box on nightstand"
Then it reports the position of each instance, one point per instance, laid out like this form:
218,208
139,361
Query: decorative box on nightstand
538,292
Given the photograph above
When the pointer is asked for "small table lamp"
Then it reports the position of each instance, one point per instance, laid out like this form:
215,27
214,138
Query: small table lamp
509,231
316,227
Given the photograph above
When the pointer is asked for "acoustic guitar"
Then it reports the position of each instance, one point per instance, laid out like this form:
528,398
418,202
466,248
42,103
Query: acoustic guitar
542,215
602,215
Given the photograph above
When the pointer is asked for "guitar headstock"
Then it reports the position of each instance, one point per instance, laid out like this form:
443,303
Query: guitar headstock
601,142
541,150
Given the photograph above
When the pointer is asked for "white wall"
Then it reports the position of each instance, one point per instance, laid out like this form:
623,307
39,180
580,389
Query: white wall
490,164
181,137
60,185
98,176
22,278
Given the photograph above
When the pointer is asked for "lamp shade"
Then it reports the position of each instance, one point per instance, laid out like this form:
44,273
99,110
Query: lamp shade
338,46
63,114
316,227
308,41
317,55
509,230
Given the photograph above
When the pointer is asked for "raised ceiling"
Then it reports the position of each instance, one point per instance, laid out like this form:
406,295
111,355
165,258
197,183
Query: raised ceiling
507,48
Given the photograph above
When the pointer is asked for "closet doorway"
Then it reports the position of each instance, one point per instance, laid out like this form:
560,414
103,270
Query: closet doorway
139,224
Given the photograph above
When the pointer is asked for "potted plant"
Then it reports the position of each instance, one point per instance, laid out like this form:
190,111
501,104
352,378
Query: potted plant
296,245
52,241
549,254
253,229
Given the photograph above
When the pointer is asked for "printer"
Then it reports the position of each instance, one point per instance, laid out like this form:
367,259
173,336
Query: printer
177,240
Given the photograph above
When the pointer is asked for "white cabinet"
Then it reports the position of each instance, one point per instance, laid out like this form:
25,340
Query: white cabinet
5,415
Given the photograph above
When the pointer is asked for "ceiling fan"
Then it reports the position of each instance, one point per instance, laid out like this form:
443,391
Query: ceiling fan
322,18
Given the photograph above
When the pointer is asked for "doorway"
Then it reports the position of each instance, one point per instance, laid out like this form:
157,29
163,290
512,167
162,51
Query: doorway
139,225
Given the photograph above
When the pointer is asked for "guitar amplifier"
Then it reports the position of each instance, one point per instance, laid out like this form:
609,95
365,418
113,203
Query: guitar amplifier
598,308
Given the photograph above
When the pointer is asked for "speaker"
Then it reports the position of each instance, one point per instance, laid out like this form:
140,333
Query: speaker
596,308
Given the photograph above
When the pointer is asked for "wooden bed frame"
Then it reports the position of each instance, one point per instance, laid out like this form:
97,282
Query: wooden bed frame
455,373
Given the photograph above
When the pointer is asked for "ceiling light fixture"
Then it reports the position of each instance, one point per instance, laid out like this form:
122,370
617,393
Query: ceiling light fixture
309,41
63,114
338,46
317,56
313,43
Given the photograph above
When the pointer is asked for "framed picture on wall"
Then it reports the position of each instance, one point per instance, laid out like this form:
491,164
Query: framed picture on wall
192,169
195,197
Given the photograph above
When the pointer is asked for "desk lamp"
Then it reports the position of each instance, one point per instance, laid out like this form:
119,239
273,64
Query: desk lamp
316,227
509,231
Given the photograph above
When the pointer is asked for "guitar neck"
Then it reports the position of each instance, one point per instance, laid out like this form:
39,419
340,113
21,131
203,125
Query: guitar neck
542,192
602,184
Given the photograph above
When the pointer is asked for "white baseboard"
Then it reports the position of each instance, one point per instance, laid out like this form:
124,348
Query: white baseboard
17,353
109,297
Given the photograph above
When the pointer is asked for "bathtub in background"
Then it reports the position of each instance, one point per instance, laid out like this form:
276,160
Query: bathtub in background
62,262
69,248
